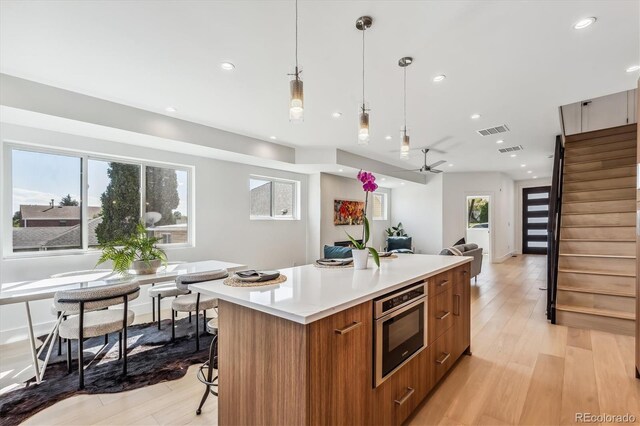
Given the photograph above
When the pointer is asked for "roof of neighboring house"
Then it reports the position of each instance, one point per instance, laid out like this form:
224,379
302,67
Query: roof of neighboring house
44,212
53,236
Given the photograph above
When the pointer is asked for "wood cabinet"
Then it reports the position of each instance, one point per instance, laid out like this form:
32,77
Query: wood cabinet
340,367
397,397
461,310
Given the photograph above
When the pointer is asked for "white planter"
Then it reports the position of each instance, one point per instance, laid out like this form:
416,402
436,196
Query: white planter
360,258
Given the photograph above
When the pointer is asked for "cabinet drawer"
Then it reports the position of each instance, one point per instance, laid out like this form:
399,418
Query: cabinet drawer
462,273
440,314
441,355
401,393
439,283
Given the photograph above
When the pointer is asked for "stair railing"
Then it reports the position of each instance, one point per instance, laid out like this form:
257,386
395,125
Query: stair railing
553,229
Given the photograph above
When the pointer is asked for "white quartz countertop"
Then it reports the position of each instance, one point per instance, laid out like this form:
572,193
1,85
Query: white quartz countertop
312,293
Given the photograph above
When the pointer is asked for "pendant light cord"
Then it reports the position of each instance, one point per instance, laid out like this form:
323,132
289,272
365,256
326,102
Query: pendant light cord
364,28
405,100
296,38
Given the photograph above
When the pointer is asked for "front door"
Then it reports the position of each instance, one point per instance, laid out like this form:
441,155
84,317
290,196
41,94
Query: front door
535,219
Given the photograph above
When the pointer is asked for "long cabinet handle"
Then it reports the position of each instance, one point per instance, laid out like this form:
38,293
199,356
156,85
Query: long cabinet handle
444,358
443,283
406,396
456,311
444,315
348,328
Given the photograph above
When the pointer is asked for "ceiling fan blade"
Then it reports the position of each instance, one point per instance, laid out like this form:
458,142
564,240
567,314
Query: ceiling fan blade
435,171
408,170
437,163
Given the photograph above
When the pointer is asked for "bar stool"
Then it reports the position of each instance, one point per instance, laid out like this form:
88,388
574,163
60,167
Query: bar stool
205,373
194,302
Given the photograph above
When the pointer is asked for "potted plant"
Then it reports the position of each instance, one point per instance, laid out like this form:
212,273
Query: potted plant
360,250
138,252
396,231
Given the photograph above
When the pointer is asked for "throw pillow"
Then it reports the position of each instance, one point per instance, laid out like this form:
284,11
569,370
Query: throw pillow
337,252
460,241
397,243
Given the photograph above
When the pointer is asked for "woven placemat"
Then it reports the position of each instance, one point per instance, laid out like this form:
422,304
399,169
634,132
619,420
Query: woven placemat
393,256
235,282
318,265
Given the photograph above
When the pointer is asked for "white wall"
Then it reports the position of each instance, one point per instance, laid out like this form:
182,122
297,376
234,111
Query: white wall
456,188
223,229
343,188
419,208
519,185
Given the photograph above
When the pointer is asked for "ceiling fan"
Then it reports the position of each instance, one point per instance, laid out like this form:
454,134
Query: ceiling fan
431,168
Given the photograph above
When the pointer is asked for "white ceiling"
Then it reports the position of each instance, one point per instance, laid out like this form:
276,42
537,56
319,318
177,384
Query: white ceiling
512,62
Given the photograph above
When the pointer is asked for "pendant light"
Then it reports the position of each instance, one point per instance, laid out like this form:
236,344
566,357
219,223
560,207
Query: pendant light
363,23
404,136
296,102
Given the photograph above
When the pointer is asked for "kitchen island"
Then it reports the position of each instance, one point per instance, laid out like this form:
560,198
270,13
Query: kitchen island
318,348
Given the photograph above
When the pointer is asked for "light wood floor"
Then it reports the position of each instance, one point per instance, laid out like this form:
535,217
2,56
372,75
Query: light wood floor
523,370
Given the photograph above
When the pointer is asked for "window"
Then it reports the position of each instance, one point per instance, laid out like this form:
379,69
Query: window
379,206
273,198
48,212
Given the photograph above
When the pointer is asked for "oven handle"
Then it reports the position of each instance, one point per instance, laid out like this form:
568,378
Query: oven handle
348,328
405,308
406,396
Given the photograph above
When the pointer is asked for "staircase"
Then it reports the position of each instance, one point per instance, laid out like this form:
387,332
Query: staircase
597,252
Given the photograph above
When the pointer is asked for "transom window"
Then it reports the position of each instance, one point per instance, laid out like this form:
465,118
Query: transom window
70,201
273,198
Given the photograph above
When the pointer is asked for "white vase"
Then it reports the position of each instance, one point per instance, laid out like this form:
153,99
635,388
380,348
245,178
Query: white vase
360,258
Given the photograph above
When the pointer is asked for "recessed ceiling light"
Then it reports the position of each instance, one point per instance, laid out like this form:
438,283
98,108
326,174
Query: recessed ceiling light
383,179
475,116
535,177
227,66
523,165
170,109
439,78
513,155
529,171
336,114
584,23
401,183
272,138
450,165
500,141
340,170
633,68
388,137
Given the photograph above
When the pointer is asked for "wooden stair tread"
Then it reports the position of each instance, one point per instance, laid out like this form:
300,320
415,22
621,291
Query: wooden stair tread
603,159
597,226
598,291
598,240
597,201
594,134
599,312
581,271
608,256
595,180
599,189
595,213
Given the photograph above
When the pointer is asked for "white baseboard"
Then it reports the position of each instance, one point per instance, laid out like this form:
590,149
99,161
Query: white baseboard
502,258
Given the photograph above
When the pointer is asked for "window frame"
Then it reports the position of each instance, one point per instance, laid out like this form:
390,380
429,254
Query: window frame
385,209
296,198
6,190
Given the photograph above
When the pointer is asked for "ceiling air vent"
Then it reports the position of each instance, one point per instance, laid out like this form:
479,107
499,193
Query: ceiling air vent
493,130
511,149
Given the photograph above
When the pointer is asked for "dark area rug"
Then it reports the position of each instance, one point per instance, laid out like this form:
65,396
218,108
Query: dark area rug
152,358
